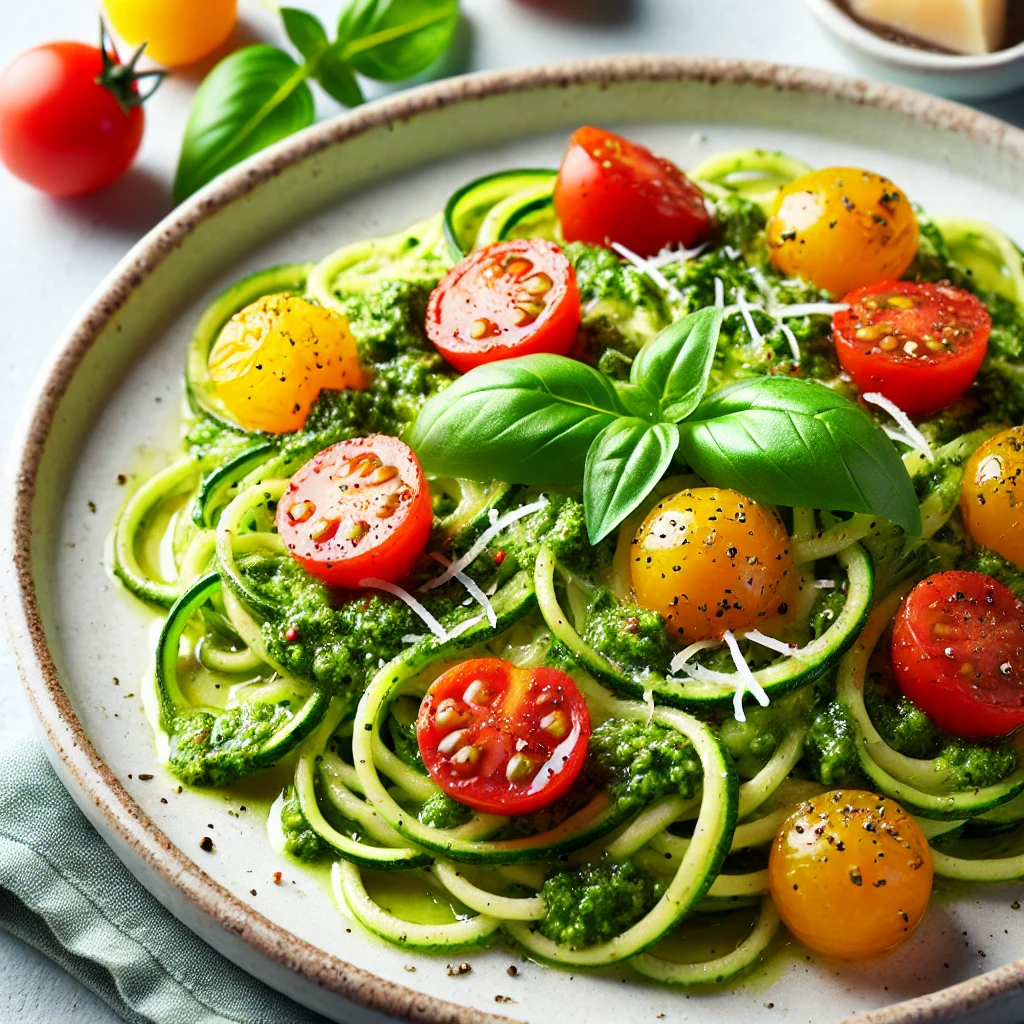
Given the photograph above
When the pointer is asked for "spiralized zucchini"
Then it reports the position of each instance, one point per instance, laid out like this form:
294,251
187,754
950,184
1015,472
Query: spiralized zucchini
190,535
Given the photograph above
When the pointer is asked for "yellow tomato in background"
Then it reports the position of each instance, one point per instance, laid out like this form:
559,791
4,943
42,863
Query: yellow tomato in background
842,228
851,874
992,496
176,32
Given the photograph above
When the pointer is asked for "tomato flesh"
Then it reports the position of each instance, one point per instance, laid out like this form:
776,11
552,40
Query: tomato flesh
918,344
958,653
357,510
512,298
502,739
60,130
612,190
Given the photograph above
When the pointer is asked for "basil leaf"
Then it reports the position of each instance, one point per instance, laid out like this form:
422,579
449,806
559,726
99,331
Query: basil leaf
784,441
308,36
674,367
337,78
252,98
391,40
624,463
528,420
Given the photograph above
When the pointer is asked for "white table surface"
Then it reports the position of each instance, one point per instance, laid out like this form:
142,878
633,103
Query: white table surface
53,254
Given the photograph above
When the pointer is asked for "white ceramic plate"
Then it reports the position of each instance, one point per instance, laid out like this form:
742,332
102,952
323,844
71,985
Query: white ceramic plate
109,405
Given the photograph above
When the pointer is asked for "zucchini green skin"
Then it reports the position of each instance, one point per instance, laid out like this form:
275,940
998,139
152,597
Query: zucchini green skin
724,968
777,679
202,396
214,491
173,703
472,515
351,895
378,858
987,869
468,206
171,482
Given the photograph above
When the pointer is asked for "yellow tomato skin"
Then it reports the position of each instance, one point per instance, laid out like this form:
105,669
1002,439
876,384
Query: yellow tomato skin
176,32
992,495
841,228
273,358
851,874
710,559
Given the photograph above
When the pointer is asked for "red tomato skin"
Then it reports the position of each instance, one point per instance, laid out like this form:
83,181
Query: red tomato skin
612,190
926,383
60,131
461,299
518,705
981,624
391,546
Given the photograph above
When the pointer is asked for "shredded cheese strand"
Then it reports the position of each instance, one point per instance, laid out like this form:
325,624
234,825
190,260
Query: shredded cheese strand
647,268
750,684
810,309
745,308
794,345
435,627
769,641
669,256
719,293
461,627
485,538
472,586
680,660
918,439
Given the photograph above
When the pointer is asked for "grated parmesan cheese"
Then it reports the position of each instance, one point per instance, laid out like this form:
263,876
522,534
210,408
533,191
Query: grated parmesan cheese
917,439
647,268
497,525
472,586
435,627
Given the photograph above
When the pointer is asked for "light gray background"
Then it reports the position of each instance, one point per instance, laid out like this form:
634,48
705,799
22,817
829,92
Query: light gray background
53,254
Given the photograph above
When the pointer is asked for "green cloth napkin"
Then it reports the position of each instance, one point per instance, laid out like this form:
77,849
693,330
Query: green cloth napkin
63,891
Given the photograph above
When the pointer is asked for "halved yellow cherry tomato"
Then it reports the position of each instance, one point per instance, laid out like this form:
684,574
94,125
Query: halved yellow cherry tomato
992,495
175,32
842,228
273,358
850,873
710,559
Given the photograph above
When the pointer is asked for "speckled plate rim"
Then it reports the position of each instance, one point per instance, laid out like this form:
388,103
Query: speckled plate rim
134,834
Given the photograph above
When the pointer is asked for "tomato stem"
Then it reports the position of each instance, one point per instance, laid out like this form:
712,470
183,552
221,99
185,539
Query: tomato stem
121,80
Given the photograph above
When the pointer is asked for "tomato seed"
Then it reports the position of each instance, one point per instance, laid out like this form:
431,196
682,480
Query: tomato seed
453,742
539,284
301,511
324,528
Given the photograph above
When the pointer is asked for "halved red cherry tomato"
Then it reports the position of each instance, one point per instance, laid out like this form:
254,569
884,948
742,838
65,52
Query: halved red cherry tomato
502,739
508,299
612,190
359,509
919,345
958,652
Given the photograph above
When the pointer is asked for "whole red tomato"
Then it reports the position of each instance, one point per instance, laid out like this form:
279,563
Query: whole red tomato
71,118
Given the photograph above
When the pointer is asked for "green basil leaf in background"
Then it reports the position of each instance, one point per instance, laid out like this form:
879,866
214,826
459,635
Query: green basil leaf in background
337,78
528,420
784,441
624,463
391,40
254,97
308,36
675,366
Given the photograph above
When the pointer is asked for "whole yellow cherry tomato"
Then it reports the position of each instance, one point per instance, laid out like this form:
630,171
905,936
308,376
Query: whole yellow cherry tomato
273,358
710,559
842,228
850,873
175,32
992,495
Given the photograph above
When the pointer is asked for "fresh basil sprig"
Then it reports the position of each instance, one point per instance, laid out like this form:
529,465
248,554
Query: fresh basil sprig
259,95
548,419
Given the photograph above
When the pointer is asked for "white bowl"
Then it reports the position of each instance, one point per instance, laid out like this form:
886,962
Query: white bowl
953,75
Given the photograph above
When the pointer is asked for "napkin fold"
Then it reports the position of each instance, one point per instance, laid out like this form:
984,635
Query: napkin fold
63,891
